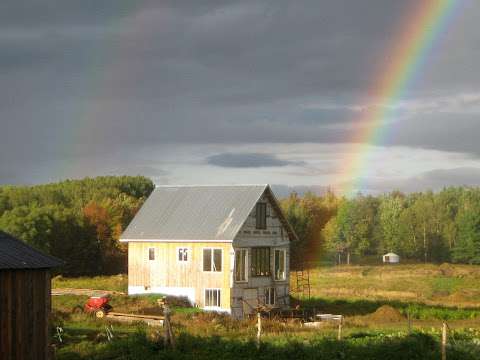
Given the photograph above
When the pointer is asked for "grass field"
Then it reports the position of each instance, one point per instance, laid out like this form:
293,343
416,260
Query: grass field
429,293
445,285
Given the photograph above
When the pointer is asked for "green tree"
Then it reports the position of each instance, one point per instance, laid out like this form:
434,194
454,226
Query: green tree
467,247
390,209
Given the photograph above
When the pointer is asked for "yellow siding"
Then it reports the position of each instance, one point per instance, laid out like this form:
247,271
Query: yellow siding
167,271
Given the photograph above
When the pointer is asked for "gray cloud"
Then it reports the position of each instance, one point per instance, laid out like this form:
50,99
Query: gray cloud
436,180
95,79
248,160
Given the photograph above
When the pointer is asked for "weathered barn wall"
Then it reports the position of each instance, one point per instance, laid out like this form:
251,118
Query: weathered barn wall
24,314
166,274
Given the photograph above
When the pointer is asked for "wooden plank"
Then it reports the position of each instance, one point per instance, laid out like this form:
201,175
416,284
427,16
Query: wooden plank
47,282
5,313
139,316
28,312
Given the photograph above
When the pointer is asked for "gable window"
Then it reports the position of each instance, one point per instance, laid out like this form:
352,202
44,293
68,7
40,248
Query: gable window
270,296
182,254
212,260
261,215
241,256
260,261
151,254
212,298
280,262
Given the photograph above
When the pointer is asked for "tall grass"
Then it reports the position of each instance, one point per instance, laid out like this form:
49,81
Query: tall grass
419,346
419,311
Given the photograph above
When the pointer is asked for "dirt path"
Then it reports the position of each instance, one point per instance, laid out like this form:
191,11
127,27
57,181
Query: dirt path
86,292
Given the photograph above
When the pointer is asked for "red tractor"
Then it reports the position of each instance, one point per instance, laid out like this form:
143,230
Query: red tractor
97,305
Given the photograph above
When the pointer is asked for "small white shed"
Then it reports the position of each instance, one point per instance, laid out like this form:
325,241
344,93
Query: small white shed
391,258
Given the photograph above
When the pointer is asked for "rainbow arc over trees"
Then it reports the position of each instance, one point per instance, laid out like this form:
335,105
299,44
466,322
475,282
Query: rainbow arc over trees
419,30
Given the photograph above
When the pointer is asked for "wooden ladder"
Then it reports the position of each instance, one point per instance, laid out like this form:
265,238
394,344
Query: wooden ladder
303,282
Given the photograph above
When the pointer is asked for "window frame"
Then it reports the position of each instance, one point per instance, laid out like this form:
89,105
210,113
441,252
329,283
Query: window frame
151,251
178,253
268,295
245,270
284,264
254,261
219,298
212,254
261,223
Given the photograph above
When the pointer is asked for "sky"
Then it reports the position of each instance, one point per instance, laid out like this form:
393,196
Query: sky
201,92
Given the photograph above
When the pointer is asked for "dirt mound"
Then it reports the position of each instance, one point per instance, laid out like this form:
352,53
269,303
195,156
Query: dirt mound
386,313
447,269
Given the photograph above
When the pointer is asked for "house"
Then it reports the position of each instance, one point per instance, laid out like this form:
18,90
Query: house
226,248
24,300
391,258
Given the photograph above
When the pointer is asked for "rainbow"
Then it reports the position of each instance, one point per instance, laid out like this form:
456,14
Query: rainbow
419,30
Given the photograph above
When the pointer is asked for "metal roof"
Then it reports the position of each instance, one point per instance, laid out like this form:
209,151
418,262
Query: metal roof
15,254
214,212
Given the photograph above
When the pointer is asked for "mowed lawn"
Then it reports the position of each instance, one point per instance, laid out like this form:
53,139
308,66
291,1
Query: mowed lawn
444,285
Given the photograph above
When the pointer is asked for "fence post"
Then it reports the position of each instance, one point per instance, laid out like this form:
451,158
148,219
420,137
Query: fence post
444,341
259,328
340,325
168,337
409,319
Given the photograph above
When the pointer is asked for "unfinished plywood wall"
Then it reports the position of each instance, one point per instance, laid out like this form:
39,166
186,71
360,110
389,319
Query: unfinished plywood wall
166,271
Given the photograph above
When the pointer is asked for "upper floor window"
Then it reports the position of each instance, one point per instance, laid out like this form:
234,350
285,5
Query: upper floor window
261,215
182,254
260,261
241,257
212,260
151,254
280,262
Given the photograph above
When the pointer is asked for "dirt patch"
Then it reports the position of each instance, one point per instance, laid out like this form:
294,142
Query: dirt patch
447,270
371,293
386,313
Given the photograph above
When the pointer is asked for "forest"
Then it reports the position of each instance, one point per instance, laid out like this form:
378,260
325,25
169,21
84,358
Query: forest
80,222
422,226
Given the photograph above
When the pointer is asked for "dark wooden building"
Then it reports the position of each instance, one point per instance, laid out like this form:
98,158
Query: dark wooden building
24,300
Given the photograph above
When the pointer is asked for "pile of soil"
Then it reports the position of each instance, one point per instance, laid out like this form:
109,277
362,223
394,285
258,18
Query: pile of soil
386,313
447,269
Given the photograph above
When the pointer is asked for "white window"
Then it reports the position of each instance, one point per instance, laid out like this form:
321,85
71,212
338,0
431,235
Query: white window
241,268
270,296
182,254
280,264
151,254
212,260
212,298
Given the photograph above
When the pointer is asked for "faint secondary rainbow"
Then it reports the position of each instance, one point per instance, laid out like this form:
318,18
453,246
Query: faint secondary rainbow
418,32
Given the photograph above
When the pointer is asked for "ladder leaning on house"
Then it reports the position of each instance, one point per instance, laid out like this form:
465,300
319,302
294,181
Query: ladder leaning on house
302,283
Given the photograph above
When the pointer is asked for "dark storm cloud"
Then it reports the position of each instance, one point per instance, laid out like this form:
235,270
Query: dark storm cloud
248,160
90,78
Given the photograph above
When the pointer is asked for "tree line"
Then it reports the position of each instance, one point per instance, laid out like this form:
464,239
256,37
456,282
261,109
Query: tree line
78,221
422,226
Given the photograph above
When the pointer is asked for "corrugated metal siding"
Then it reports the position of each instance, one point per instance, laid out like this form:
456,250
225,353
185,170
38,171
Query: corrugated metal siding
194,212
15,254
